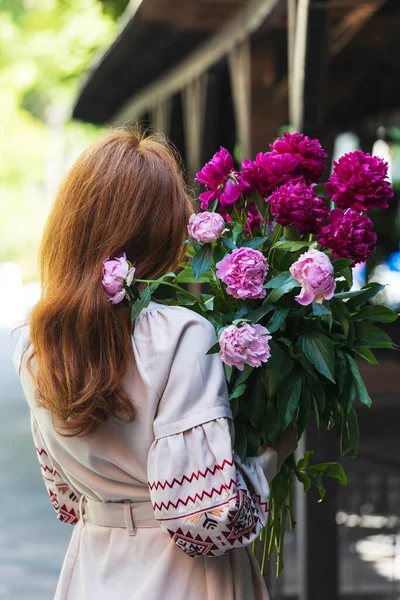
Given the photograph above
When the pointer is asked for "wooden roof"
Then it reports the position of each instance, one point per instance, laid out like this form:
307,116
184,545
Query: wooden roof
158,35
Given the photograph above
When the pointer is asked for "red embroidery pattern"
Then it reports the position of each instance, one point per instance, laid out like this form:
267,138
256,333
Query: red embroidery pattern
242,519
195,475
60,493
193,499
193,546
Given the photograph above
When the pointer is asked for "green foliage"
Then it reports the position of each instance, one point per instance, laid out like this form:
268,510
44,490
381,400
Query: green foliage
44,49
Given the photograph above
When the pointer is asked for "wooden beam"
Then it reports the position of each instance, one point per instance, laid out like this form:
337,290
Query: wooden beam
343,33
246,21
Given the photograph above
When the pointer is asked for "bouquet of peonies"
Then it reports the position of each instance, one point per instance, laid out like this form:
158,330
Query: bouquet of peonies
276,264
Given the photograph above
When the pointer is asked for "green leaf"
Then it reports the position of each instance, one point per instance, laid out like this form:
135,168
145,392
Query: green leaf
272,423
305,480
228,372
202,260
353,431
277,319
228,243
279,280
319,350
214,349
244,375
288,398
257,399
238,391
303,414
359,383
187,276
366,353
305,461
347,273
342,314
341,263
366,293
372,336
254,242
382,314
291,246
279,363
142,302
332,469
320,309
278,292
256,315
218,253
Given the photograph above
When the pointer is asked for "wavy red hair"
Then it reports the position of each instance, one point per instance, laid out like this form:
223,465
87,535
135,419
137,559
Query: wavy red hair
124,193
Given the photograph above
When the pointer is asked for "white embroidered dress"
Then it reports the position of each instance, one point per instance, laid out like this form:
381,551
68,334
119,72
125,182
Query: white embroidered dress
162,509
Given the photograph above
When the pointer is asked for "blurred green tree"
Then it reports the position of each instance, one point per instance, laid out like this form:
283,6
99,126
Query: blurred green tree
45,46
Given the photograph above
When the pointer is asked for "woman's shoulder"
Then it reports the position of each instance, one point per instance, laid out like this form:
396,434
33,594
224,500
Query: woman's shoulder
22,345
178,317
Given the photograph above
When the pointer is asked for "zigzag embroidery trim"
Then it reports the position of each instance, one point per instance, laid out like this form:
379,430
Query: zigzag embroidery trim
193,499
41,451
195,475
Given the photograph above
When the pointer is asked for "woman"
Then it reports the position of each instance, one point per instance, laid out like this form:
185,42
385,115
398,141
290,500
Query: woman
133,428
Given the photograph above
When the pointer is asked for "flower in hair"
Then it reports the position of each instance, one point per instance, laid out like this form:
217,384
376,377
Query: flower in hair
117,273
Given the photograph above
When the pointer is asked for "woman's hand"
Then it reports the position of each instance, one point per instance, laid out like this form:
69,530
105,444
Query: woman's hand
285,445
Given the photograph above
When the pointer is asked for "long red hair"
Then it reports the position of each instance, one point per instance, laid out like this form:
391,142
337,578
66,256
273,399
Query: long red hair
124,193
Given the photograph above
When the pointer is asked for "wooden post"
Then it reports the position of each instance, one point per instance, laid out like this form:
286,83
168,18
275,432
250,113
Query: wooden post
240,71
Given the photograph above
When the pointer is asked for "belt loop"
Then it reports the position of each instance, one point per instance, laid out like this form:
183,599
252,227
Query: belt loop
81,508
128,518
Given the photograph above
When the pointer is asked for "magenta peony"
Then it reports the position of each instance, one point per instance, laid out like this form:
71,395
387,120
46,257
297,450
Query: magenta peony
309,154
314,271
206,227
297,204
244,272
245,345
117,274
254,219
221,178
349,235
359,181
267,171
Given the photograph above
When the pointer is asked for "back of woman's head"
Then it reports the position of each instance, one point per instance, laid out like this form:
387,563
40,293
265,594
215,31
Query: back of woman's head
124,193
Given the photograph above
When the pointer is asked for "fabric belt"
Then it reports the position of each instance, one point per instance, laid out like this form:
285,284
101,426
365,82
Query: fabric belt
126,514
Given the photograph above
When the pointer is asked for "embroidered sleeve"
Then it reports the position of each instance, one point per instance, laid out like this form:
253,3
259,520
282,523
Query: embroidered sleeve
205,497
64,499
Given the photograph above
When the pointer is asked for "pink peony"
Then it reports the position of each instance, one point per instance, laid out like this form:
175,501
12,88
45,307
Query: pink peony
221,178
297,204
244,272
309,154
359,181
349,235
206,227
314,271
267,171
117,274
245,345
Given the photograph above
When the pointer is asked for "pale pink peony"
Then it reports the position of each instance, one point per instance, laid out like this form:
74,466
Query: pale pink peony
314,271
245,345
206,227
117,274
244,272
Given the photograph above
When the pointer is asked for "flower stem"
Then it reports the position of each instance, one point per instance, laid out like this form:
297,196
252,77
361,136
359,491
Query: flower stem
264,555
172,285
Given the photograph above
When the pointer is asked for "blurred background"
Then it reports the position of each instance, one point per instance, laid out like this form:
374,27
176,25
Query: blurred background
207,73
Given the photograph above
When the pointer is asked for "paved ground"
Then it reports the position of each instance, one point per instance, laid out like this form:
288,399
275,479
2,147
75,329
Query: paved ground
32,541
